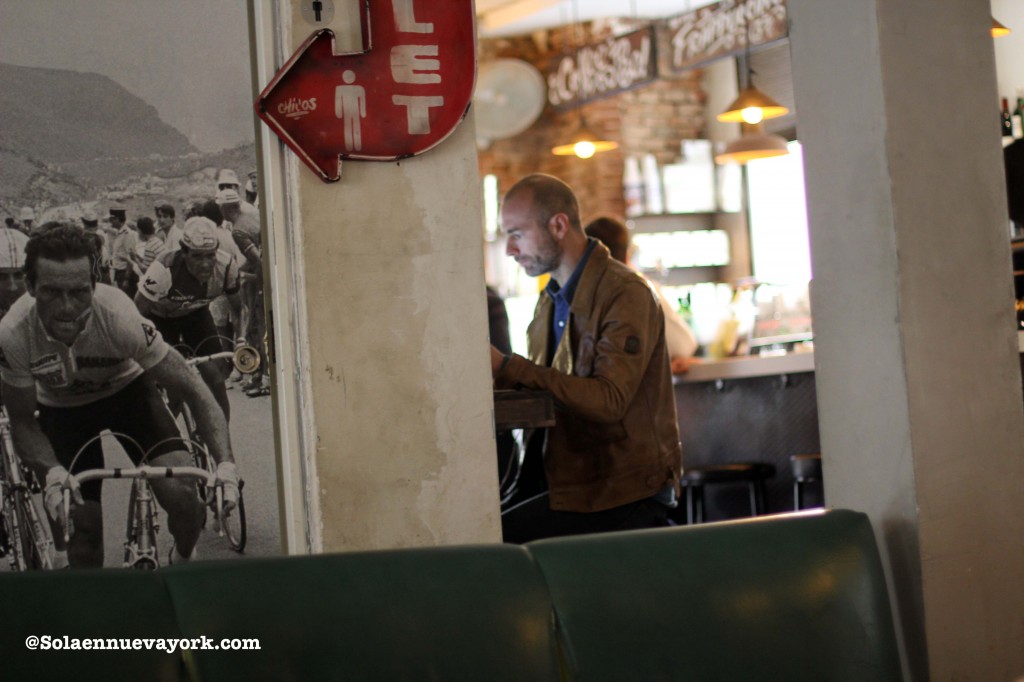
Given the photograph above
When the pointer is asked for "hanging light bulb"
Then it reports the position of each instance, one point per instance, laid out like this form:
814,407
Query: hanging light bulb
755,143
584,144
752,106
998,30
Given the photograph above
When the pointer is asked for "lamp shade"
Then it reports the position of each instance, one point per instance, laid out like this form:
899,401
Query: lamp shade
998,29
584,144
752,106
756,144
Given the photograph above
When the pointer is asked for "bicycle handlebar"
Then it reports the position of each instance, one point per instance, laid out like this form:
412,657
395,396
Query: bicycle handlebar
146,472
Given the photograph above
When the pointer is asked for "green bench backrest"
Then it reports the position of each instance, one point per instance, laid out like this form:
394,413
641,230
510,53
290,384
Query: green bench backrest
93,605
796,598
458,613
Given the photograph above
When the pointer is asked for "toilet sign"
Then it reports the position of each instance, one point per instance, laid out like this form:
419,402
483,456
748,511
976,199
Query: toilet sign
401,95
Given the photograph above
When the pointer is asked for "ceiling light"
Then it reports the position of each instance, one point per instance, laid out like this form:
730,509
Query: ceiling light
584,144
755,143
752,106
998,29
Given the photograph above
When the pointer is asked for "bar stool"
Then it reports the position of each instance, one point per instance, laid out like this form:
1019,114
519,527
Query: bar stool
695,479
806,469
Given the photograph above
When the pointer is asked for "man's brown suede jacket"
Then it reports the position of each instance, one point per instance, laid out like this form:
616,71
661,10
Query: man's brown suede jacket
616,439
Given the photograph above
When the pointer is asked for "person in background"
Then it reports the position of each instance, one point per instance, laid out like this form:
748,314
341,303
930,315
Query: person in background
497,321
28,219
12,261
225,313
680,339
91,225
252,188
597,343
121,252
167,229
149,246
245,229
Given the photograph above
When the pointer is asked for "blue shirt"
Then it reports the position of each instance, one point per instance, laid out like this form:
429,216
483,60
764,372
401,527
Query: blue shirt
562,297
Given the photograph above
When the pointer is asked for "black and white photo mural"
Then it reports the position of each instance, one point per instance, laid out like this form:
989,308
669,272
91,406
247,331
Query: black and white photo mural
132,290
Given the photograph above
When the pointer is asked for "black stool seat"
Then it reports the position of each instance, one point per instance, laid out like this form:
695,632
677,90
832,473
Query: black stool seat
754,474
806,469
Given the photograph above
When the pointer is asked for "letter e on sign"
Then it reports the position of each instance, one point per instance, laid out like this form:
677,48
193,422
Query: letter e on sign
400,96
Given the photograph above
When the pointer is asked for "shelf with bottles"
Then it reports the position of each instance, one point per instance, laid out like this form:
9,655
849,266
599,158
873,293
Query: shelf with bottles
1012,119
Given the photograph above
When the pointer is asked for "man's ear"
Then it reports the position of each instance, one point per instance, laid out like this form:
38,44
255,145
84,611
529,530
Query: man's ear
558,225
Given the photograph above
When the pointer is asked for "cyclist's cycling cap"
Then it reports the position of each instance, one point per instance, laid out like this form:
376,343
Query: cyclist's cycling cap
12,248
228,196
200,234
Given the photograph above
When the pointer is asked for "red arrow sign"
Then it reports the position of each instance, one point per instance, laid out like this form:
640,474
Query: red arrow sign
400,96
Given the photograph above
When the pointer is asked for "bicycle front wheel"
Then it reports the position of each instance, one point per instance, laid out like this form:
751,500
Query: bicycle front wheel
234,523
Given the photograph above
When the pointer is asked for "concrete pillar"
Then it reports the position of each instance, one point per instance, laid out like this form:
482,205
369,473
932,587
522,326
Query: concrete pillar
919,386
396,369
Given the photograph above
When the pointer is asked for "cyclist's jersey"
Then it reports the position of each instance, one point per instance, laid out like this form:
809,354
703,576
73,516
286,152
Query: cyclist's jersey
116,345
175,292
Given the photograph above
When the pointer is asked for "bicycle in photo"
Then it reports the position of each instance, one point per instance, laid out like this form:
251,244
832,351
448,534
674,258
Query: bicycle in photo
25,537
246,360
140,546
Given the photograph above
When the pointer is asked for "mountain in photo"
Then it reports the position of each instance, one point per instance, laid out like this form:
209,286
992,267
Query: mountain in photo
57,116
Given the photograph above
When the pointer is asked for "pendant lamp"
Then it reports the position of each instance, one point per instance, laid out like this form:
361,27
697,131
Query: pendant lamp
584,143
752,106
998,29
755,143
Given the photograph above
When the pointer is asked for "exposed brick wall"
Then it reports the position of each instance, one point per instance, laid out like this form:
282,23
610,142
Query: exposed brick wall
651,119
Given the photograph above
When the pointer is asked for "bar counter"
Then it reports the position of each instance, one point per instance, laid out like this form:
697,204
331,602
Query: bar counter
749,409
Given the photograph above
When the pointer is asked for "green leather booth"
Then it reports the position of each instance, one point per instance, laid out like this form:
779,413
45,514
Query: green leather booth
798,597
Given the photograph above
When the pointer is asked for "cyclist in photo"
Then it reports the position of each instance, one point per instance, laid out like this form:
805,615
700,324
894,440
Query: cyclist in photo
12,276
81,354
177,289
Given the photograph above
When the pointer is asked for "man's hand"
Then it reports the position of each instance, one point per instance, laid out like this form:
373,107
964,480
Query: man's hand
53,493
227,474
681,364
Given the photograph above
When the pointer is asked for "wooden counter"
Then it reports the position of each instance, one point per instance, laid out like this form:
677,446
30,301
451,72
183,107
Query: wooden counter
745,367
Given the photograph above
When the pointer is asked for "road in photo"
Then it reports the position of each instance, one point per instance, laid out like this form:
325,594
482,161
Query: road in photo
252,436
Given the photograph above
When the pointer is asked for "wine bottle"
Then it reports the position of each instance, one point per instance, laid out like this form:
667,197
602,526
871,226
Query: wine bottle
1017,118
1007,121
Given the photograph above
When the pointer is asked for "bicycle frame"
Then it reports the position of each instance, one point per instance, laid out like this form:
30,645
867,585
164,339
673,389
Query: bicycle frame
31,545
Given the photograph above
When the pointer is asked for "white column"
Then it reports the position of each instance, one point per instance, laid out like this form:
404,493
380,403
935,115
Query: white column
918,378
393,360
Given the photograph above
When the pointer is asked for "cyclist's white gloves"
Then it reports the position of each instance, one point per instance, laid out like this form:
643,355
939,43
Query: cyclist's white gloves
53,493
227,474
